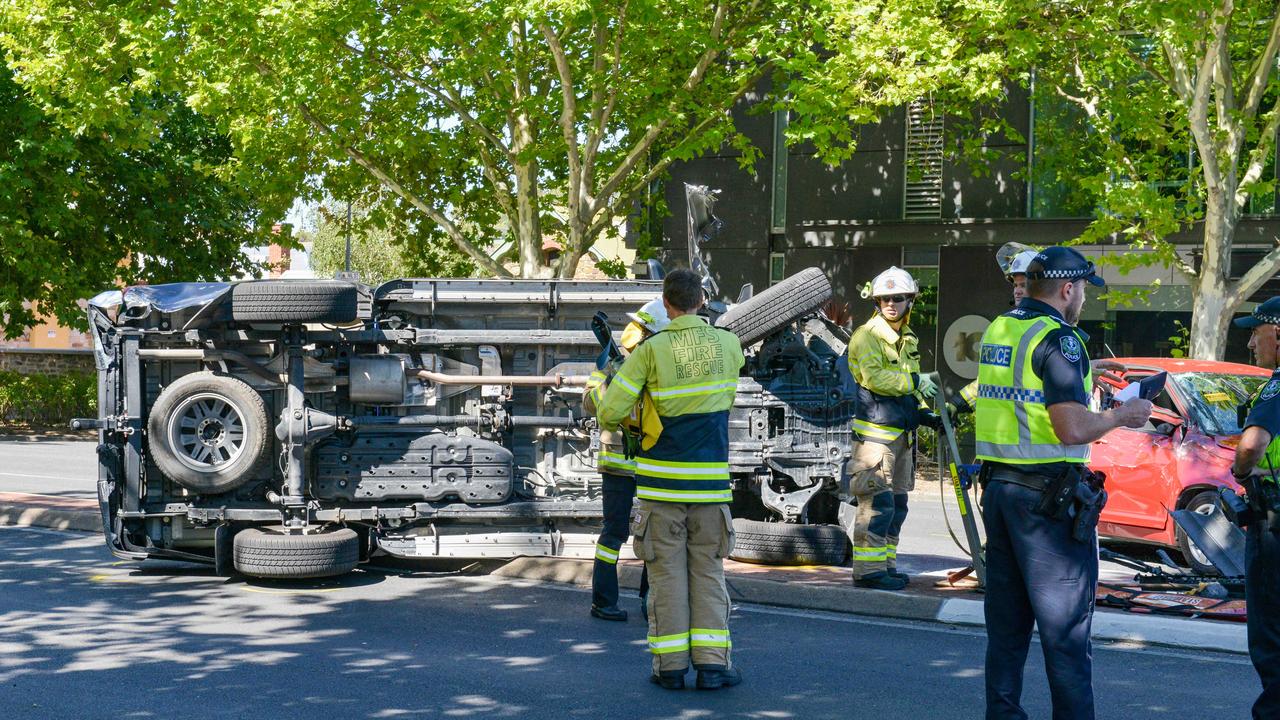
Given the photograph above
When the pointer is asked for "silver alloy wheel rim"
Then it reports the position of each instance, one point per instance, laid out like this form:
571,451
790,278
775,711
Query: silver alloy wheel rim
206,432
1196,552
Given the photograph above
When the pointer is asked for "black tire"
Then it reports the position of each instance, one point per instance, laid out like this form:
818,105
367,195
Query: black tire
271,553
777,307
771,543
295,301
208,432
1202,502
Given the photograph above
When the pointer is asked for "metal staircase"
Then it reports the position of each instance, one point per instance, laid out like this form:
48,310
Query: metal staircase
922,191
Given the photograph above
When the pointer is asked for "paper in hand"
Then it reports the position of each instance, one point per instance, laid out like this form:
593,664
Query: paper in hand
1147,388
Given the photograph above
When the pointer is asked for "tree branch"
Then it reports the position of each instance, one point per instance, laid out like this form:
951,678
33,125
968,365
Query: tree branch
641,148
1182,87
601,115
568,118
1258,157
1260,73
450,99
1253,279
481,258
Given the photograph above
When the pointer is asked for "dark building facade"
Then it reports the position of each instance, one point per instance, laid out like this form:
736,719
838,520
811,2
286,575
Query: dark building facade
896,201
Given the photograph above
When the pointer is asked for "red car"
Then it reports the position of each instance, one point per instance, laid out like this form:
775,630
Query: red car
1180,458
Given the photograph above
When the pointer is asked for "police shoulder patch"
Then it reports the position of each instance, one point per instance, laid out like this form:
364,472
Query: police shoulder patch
1271,390
1071,349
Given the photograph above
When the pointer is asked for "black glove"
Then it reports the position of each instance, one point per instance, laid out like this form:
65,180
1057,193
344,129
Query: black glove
930,419
959,408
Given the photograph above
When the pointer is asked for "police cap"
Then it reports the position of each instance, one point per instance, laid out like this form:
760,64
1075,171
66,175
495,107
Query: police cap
1065,263
1266,313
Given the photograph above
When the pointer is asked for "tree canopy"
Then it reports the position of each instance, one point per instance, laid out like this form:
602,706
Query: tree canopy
379,247
134,198
489,120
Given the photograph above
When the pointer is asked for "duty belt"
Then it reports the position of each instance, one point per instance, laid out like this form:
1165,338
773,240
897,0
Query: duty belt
1035,481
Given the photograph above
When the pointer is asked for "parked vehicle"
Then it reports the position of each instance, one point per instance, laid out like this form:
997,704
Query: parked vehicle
1182,456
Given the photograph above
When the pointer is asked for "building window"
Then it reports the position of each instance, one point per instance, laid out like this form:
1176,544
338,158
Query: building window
777,267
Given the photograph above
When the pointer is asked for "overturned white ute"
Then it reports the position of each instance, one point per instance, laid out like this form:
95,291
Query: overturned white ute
291,428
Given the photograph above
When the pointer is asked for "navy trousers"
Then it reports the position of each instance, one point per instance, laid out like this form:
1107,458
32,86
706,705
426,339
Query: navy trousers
618,493
1037,575
1262,595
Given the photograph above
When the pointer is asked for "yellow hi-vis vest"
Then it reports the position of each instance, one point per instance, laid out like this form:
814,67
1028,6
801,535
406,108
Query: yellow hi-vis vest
1012,420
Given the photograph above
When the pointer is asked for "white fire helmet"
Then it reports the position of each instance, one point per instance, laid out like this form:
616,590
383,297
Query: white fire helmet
1014,258
652,315
894,281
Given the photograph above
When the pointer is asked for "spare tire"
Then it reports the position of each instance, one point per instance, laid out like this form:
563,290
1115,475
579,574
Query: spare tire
208,432
295,301
762,315
270,552
775,543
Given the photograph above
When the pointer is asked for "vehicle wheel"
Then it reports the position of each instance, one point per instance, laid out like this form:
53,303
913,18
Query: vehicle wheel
780,305
1204,503
295,301
208,432
271,553
775,543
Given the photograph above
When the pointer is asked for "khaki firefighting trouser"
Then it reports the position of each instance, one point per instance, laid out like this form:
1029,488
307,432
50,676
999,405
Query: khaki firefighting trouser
684,546
880,478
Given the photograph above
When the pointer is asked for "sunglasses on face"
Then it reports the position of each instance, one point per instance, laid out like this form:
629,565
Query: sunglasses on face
893,299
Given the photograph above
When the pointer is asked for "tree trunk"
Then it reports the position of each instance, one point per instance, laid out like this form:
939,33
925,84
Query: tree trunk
528,229
1213,297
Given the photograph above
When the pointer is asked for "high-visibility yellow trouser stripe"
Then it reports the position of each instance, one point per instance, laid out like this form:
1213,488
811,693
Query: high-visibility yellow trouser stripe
891,552
870,553
662,644
664,495
876,432
606,554
703,637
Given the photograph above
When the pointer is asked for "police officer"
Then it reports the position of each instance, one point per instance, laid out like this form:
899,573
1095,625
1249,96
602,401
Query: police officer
884,359
1033,430
617,465
682,527
1257,464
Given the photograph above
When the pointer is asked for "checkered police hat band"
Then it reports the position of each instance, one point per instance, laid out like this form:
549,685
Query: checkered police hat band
1267,319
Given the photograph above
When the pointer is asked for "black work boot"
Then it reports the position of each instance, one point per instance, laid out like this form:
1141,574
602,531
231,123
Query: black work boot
880,580
893,572
612,612
670,679
714,677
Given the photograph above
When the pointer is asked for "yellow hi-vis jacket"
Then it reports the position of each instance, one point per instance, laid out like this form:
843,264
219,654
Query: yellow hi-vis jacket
886,365
690,371
617,451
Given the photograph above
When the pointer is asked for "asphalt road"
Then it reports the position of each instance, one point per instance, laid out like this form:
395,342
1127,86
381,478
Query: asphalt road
85,636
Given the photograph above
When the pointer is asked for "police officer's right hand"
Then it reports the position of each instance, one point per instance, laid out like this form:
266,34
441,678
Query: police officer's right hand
1134,413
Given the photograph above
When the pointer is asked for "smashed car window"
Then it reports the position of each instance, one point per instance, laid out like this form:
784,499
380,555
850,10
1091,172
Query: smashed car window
1212,398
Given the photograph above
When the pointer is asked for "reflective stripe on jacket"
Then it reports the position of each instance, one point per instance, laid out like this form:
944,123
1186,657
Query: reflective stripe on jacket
1012,420
613,455
690,373
886,365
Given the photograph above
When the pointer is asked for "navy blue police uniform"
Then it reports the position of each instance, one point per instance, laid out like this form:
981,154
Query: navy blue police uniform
1038,574
1262,544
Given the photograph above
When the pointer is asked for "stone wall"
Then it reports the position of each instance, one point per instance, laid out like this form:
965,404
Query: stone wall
46,362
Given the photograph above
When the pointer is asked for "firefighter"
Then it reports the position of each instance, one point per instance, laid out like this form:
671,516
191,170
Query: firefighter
1013,259
681,525
884,359
1033,430
617,465
1257,465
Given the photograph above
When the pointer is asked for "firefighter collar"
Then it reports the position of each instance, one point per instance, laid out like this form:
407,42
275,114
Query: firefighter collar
685,321
883,330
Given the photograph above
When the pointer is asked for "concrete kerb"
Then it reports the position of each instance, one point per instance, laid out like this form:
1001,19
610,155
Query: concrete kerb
1113,626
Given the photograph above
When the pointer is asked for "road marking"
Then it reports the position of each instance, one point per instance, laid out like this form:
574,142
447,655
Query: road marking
41,477
50,531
